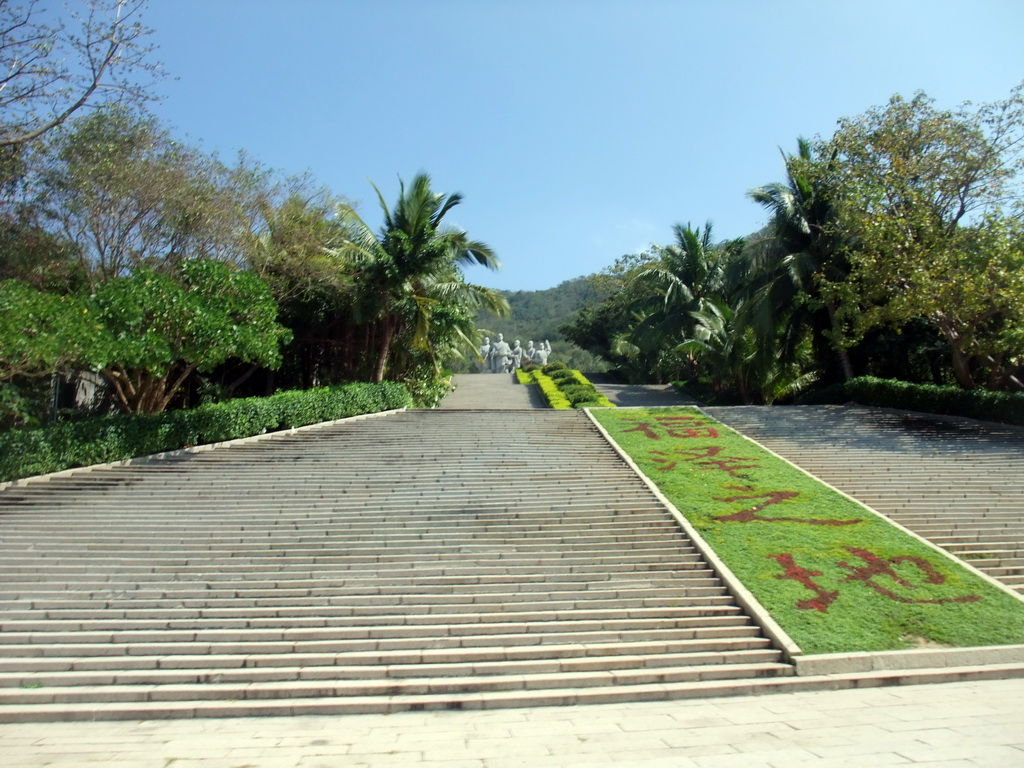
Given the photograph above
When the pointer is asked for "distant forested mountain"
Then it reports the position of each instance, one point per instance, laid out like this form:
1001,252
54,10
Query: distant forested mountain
537,315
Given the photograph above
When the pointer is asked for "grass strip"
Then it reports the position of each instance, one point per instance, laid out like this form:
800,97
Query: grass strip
837,577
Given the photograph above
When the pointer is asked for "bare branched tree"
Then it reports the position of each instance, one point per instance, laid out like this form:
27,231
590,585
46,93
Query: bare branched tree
51,67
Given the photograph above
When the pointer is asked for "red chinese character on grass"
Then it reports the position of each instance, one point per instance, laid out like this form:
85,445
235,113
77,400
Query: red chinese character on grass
686,427
705,458
770,497
823,598
645,427
879,567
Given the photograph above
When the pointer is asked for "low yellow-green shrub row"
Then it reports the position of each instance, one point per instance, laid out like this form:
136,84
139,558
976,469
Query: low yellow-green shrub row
565,388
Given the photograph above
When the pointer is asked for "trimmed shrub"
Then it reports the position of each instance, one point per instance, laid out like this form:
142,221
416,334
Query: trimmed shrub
563,374
114,438
566,388
552,367
1007,407
579,393
551,391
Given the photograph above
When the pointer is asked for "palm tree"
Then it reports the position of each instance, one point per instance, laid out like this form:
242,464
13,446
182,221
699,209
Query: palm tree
411,266
800,249
692,273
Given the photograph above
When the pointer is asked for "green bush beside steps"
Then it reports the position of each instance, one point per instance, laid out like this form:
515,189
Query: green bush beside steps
564,388
1005,407
24,453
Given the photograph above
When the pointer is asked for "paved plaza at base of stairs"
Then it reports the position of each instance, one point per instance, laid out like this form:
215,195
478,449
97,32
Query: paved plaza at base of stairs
956,724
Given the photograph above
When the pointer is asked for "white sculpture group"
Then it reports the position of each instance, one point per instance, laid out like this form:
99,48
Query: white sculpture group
499,357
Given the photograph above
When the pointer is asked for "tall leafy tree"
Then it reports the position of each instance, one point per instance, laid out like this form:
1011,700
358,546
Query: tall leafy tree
125,194
145,333
917,189
160,328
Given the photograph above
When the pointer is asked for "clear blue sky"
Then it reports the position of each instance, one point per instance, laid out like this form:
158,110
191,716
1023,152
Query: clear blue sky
577,130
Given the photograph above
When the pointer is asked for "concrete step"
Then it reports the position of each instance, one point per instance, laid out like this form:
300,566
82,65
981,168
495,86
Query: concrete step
605,694
392,657
285,673
428,686
405,641
404,558
39,637
248,621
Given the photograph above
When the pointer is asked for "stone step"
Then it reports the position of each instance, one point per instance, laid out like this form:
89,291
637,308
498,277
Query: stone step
200,675
526,635
604,694
392,657
53,625
175,613
357,588
262,690
328,539
339,632
274,574
247,621
471,602
570,588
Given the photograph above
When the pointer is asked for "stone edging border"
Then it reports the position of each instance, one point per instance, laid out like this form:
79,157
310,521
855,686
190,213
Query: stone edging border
191,449
836,663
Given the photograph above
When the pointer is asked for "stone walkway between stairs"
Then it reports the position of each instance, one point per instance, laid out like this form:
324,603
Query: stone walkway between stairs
974,724
495,391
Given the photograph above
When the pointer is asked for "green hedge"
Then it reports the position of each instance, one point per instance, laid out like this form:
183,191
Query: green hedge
114,438
565,388
1006,407
549,388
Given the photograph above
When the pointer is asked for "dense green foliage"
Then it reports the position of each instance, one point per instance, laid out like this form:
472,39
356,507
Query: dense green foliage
894,249
131,258
834,575
178,278
145,332
1006,407
122,436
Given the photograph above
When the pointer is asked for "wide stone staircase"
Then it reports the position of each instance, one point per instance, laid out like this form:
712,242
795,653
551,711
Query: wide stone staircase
956,482
420,560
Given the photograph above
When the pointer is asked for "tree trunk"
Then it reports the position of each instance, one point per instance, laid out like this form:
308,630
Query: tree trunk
387,334
961,366
842,352
961,361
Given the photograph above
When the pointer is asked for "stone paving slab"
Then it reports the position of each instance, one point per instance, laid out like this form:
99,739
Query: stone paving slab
957,724
639,395
492,392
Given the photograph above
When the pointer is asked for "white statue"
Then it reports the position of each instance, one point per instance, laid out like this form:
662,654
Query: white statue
485,353
500,354
517,355
540,355
529,352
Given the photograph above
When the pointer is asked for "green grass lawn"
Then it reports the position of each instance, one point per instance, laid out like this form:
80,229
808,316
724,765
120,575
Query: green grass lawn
834,575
